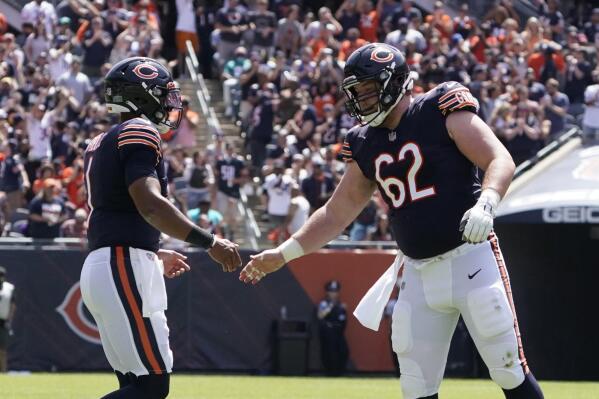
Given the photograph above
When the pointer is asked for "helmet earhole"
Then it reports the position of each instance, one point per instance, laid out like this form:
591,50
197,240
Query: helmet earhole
159,115
387,99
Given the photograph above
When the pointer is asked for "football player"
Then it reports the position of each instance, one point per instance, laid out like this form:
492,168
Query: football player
122,281
422,153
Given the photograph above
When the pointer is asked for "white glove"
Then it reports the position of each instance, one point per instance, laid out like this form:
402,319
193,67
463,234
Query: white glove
477,222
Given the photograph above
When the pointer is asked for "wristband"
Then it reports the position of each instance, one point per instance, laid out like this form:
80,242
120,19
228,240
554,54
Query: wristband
201,238
291,249
490,197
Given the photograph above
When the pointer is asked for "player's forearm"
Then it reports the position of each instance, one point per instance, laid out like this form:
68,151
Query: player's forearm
165,217
498,175
324,225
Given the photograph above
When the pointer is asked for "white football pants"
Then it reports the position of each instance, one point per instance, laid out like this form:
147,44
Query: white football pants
112,290
470,280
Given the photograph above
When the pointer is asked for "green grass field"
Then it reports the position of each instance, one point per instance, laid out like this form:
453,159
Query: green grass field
93,386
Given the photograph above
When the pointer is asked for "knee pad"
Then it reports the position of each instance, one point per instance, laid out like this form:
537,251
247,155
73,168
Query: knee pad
413,383
154,386
401,328
490,311
505,366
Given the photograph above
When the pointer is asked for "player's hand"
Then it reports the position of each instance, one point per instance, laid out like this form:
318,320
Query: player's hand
262,264
477,222
226,254
174,263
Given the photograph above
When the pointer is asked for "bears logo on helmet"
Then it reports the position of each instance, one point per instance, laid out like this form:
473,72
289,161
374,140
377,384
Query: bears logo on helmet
138,70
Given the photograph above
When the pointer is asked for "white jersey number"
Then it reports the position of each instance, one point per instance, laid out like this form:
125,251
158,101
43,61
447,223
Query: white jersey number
393,187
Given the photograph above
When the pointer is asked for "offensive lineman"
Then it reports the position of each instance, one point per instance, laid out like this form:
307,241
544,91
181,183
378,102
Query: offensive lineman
421,154
121,280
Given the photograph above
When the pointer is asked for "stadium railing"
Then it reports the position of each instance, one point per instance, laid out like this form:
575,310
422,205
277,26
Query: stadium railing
253,233
547,150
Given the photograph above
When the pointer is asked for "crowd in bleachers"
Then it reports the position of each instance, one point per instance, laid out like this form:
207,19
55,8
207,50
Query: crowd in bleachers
282,67
281,63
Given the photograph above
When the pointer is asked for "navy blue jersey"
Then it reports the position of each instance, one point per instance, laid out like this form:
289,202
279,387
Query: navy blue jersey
113,161
422,175
228,169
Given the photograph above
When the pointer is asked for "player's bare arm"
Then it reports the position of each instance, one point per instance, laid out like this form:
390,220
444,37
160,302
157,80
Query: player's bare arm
478,143
348,200
164,216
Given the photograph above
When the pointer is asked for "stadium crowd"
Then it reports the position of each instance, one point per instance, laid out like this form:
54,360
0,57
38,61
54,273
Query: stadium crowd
281,64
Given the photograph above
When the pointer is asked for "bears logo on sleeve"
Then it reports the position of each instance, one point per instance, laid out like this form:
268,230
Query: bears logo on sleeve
458,98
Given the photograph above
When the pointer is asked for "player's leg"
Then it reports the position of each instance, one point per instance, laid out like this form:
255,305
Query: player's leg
143,387
132,343
422,327
483,295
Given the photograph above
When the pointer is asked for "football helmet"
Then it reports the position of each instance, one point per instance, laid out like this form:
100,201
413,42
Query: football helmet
386,68
144,87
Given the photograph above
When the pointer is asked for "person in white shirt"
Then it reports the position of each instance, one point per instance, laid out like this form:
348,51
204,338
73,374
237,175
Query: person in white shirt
277,187
38,10
299,210
590,119
186,28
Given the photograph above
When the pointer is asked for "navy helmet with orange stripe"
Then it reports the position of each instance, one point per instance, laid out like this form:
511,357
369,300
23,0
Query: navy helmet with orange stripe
384,74
144,87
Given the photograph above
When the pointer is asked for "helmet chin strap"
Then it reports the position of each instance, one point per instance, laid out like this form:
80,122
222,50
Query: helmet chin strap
382,115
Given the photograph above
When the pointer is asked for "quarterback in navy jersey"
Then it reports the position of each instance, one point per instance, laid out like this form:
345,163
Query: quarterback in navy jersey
122,281
422,153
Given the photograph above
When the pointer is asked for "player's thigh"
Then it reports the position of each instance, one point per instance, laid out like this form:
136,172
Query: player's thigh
161,333
421,336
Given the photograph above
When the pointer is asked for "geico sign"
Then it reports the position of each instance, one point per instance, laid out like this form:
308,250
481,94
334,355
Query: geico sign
571,214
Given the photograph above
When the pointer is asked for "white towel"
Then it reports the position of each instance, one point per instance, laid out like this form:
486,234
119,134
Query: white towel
149,273
369,311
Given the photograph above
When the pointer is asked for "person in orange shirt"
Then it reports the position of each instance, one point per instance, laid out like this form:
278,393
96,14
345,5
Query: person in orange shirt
539,61
350,44
369,20
72,178
324,40
440,21
45,171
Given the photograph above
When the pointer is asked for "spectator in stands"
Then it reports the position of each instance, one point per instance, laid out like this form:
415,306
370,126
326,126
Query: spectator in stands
555,105
230,174
46,171
47,212
553,19
369,19
13,178
7,312
578,77
75,227
39,12
231,21
38,42
260,129
403,35
185,135
547,62
277,196
97,44
299,211
350,44
591,28
233,70
186,30
115,18
263,24
72,179
348,16
318,187
365,224
325,18
76,81
407,11
206,217
200,177
289,32
590,121
302,125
